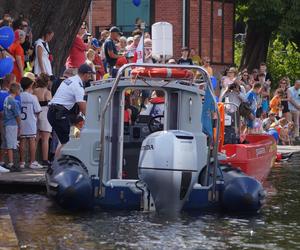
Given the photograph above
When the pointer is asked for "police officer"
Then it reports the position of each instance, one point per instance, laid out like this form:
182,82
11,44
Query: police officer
70,91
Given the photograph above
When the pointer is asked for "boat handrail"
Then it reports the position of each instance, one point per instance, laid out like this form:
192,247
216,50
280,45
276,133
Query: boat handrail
110,97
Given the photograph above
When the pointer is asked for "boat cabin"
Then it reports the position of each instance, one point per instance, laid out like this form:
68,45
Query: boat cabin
138,108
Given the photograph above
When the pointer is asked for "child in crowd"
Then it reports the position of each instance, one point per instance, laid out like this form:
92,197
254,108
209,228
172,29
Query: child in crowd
76,128
11,125
275,103
283,131
185,60
30,108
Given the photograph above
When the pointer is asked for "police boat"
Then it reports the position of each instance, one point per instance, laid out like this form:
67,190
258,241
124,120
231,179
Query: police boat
135,153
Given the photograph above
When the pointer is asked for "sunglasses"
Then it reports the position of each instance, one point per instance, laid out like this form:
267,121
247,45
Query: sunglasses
245,75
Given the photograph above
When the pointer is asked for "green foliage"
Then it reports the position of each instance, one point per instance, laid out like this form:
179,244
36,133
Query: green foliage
283,60
238,50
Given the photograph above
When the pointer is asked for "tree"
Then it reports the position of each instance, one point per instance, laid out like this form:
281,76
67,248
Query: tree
266,19
63,17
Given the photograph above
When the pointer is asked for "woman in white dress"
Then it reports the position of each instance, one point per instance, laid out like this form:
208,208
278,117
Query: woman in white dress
44,128
43,56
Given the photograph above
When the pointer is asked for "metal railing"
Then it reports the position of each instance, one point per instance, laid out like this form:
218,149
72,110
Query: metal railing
110,97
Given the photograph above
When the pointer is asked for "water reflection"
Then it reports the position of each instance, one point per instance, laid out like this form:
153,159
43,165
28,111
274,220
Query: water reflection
40,225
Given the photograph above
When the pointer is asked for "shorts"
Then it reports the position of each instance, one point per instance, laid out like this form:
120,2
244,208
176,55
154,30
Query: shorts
9,137
43,124
285,107
60,122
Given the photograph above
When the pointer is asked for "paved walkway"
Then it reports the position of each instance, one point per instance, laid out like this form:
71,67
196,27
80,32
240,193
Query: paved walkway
26,177
288,149
8,238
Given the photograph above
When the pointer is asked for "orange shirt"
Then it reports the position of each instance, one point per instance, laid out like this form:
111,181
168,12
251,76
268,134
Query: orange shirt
16,50
275,104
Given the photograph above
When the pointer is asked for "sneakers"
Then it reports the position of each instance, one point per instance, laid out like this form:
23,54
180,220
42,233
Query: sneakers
35,165
46,164
13,168
22,164
3,170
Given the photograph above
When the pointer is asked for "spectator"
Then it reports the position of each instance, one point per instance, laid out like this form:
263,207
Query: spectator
90,57
184,60
267,122
228,79
148,50
104,36
122,44
206,65
265,93
252,98
27,45
195,57
172,61
44,128
235,94
43,56
254,77
147,35
132,47
293,96
284,85
28,126
77,55
11,125
263,70
283,131
245,80
129,41
100,71
110,50
17,52
276,103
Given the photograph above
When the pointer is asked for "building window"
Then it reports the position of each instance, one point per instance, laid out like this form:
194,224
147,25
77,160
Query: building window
127,14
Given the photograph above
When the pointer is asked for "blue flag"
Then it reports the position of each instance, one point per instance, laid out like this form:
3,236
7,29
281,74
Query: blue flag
207,110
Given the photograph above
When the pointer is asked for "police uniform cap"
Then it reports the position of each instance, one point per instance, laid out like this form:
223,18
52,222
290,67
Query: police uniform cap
85,69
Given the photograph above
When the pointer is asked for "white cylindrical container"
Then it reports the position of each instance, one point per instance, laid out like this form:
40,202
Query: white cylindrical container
162,40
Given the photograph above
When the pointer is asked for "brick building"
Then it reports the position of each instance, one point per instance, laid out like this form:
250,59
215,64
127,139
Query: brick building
206,25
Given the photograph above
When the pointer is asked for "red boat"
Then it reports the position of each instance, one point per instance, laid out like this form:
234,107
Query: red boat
254,158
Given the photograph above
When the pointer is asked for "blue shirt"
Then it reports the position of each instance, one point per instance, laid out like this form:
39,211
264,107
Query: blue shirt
252,100
3,95
11,110
109,45
295,96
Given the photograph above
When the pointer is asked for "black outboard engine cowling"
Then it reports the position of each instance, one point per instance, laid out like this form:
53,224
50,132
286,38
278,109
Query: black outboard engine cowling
168,165
68,184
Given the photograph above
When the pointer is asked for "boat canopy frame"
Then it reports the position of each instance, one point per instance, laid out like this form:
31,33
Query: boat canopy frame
171,66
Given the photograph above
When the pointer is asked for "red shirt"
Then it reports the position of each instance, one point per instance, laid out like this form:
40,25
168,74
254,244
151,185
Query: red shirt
16,50
98,63
77,53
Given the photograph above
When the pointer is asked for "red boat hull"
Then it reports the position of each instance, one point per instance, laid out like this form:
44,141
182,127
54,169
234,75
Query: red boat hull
255,158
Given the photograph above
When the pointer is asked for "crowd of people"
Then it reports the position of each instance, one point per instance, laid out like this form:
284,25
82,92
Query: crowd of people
32,97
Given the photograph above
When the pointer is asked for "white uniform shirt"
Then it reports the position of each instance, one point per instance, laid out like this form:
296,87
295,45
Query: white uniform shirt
30,107
45,58
69,92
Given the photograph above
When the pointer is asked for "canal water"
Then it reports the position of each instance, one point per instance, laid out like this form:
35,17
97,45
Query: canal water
40,225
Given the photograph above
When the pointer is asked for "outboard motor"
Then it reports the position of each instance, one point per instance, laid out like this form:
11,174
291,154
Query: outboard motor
168,165
241,193
68,184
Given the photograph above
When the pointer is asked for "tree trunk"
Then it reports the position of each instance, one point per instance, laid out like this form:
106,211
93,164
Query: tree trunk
256,48
63,17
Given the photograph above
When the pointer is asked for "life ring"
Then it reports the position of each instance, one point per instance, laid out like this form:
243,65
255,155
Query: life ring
162,73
